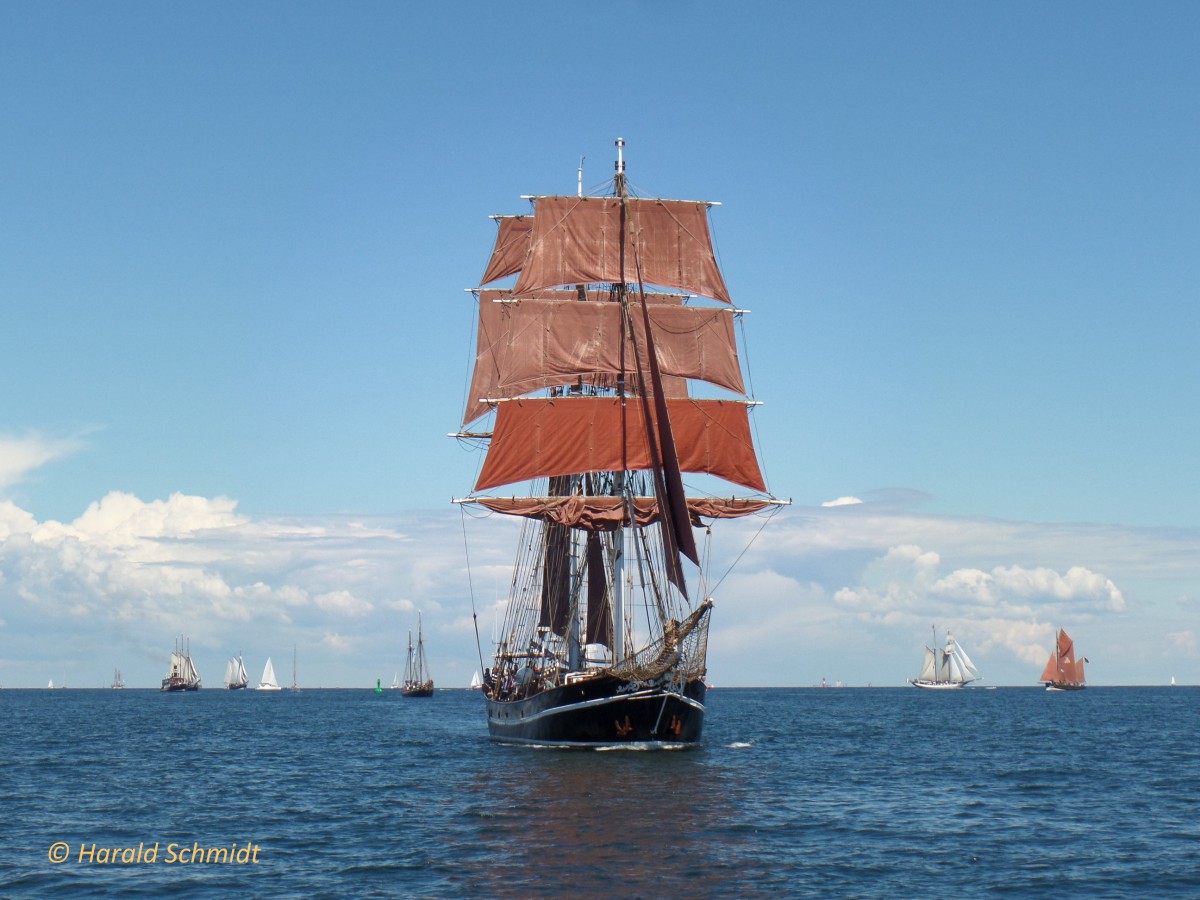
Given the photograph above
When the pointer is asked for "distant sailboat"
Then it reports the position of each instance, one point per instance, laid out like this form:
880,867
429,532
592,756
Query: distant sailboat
395,685
476,682
118,681
945,669
50,686
295,685
268,682
417,681
1064,671
235,673
182,675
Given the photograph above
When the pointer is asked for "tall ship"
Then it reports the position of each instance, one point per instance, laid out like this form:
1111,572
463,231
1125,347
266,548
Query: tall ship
585,390
945,668
418,682
182,676
118,682
236,678
1064,670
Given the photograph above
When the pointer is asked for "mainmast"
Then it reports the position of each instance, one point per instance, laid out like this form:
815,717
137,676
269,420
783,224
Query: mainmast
618,649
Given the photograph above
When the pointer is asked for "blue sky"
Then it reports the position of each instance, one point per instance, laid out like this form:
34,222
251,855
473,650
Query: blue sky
234,240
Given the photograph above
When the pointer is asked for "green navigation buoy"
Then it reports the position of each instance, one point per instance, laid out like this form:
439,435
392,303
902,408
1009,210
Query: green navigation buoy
378,686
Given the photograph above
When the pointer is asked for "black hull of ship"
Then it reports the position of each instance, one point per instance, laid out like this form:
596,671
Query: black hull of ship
416,692
1064,686
173,687
601,712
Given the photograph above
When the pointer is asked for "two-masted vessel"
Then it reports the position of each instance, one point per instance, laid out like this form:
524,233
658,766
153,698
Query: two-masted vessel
418,682
588,364
945,668
182,676
236,678
1064,670
118,683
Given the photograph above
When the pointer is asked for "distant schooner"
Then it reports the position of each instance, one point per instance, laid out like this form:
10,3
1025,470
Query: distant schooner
586,362
945,669
182,675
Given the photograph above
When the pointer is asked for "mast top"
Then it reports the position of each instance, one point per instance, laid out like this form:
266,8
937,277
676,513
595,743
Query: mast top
620,164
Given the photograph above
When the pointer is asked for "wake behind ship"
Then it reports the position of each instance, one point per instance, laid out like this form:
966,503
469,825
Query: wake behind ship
585,370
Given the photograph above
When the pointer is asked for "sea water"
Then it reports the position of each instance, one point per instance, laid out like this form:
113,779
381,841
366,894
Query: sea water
851,792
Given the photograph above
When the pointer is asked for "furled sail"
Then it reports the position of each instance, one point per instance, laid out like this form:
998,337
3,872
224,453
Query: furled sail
609,513
576,240
561,436
524,346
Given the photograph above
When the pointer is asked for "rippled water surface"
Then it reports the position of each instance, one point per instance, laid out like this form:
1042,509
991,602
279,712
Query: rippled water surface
888,792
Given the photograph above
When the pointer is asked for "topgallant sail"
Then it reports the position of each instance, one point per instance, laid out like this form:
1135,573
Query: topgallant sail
587,363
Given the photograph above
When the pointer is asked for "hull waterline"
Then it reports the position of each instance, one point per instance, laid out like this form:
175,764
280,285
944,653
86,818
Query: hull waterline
938,685
601,712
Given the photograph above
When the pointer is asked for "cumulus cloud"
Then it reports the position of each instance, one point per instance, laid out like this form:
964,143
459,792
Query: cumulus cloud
144,570
842,501
1007,606
347,588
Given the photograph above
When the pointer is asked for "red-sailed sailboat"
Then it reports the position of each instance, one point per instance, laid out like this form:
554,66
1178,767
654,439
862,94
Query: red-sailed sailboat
1064,672
586,361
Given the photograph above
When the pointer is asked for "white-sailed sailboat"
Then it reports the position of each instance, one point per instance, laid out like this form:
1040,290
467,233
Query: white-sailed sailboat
945,669
235,673
268,682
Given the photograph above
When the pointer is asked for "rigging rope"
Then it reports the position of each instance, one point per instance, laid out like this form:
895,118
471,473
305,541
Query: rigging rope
766,518
471,585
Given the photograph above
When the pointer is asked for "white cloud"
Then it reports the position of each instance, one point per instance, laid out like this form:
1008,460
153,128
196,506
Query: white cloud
1184,642
847,592
21,455
842,501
